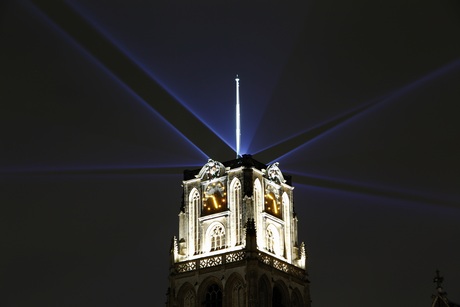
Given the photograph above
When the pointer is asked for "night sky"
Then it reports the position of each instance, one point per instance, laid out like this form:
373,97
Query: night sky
103,104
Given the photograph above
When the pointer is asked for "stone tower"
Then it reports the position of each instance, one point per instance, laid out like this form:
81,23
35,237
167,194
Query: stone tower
237,243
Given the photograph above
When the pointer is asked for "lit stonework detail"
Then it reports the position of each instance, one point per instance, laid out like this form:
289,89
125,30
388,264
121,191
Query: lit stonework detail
194,203
235,203
212,169
237,237
216,237
214,195
274,173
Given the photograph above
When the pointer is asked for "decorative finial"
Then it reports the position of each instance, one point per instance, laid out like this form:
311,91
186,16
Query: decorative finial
238,131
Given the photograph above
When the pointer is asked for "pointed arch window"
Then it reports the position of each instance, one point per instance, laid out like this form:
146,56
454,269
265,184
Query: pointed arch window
236,208
264,293
296,299
259,208
217,237
277,300
285,200
238,295
195,199
213,296
189,299
236,192
194,204
258,194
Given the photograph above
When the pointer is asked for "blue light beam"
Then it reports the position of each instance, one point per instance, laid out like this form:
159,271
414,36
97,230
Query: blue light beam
135,78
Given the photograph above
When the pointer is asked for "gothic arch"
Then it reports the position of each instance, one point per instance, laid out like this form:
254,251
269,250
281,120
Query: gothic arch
186,296
194,201
286,204
265,292
280,297
235,207
235,291
216,237
258,209
296,298
258,195
210,292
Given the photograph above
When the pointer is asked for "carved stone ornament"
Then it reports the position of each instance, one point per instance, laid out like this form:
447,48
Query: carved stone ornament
212,169
274,174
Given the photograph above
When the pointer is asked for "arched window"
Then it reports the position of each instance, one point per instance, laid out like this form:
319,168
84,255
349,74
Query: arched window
193,238
277,300
258,195
189,299
217,237
235,188
285,200
264,293
238,295
235,291
213,296
296,300
258,209
186,296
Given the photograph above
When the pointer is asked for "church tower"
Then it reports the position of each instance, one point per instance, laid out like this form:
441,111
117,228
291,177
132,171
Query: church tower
237,243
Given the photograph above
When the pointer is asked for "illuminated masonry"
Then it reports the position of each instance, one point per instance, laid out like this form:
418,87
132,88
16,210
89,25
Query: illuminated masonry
237,243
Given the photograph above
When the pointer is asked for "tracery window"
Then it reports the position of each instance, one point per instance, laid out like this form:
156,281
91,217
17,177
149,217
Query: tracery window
236,195
259,208
238,295
194,204
213,297
189,299
217,238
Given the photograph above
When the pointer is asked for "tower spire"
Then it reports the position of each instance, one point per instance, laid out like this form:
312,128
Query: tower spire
238,131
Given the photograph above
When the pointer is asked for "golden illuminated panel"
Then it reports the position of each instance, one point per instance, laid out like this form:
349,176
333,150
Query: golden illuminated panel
272,205
215,198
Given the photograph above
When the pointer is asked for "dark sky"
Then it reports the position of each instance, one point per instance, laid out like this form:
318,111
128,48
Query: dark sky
104,103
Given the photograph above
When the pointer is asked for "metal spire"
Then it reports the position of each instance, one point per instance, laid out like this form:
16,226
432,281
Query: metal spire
238,131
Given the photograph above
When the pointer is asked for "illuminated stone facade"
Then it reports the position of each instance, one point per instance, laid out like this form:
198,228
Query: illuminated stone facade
237,243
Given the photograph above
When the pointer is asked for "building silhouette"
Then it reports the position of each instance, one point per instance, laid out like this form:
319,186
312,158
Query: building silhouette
237,244
440,298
